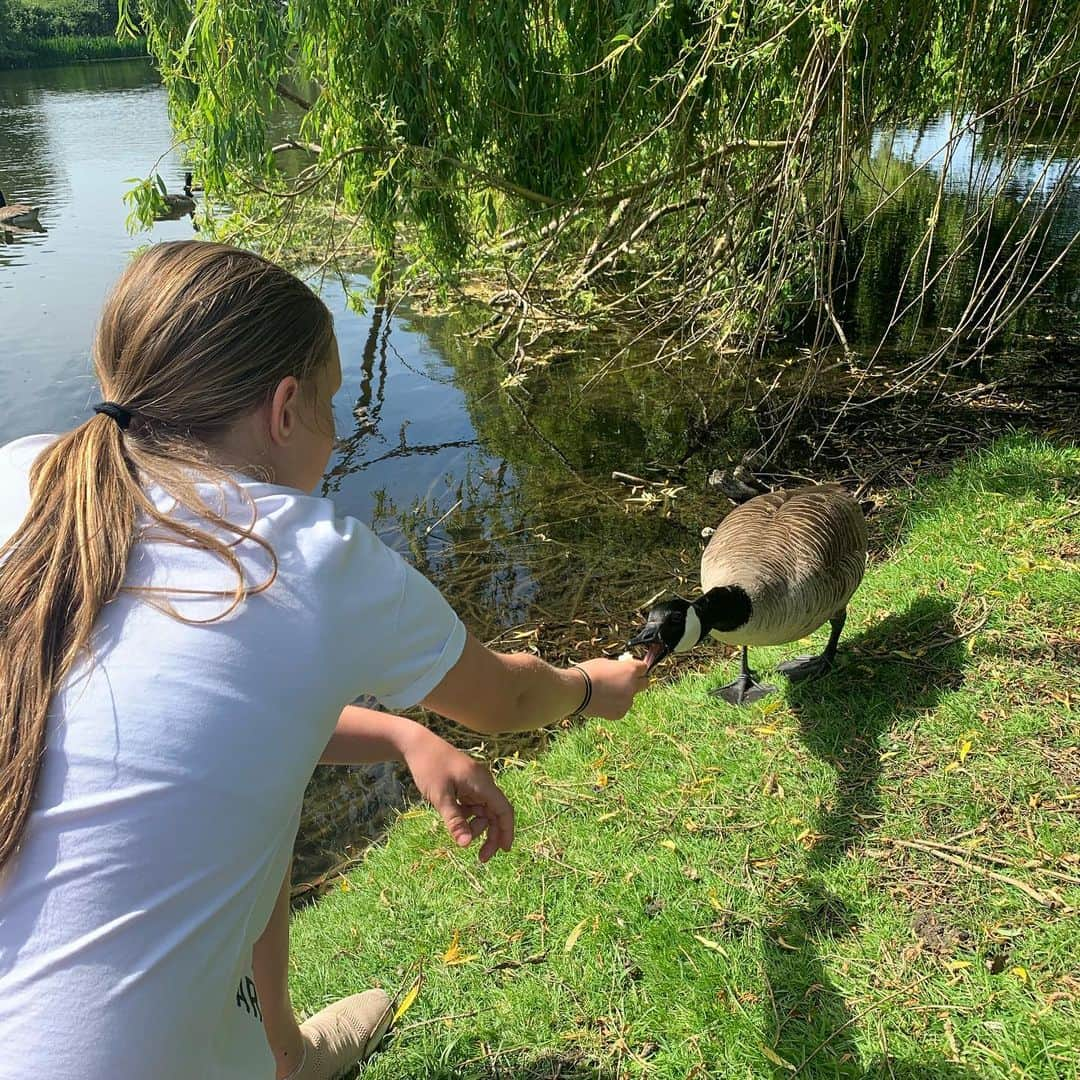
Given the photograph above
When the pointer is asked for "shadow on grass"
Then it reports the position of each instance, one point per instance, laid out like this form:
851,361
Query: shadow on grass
842,720
843,717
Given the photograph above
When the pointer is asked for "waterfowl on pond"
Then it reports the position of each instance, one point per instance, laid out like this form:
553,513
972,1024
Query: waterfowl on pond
17,213
177,206
776,568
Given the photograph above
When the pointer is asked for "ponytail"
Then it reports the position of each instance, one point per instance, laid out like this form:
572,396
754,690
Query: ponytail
59,569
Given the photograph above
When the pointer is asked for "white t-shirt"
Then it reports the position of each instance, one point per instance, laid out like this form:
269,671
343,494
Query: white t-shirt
170,791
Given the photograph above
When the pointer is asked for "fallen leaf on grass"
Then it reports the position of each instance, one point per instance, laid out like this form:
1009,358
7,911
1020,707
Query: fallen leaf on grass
1020,973
572,940
776,1059
408,1000
965,749
454,951
714,945
453,955
507,965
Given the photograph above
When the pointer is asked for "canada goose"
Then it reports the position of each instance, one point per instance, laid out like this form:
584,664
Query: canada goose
777,567
17,213
177,206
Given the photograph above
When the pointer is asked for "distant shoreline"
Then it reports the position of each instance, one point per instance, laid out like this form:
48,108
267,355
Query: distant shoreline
82,49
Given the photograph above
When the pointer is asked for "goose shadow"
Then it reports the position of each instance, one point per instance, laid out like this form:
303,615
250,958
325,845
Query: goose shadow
880,683
885,677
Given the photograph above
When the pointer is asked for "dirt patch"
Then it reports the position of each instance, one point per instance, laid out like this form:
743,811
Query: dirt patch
935,936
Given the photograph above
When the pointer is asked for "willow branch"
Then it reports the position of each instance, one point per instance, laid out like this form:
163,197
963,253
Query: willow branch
296,144
291,95
653,219
500,183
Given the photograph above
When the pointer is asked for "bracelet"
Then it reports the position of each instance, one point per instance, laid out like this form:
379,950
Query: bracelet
588,691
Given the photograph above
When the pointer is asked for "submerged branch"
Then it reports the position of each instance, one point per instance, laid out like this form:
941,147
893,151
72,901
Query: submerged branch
291,95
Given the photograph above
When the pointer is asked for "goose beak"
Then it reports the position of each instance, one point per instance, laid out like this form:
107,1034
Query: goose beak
655,649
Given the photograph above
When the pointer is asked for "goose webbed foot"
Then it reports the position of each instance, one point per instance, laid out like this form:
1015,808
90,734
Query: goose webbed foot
743,690
808,667
804,667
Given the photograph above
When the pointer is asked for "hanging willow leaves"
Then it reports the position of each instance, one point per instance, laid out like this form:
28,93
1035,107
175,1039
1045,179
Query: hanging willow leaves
690,166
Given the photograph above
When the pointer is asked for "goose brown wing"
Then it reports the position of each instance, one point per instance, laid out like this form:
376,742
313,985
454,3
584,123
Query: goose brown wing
747,549
799,554
825,529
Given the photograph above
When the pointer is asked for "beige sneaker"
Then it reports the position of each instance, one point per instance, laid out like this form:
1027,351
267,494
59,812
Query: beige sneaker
342,1035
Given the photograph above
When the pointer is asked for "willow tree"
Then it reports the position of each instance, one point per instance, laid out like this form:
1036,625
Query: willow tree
680,165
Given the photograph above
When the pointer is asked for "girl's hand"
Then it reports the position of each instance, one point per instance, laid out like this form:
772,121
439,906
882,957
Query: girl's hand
463,792
615,682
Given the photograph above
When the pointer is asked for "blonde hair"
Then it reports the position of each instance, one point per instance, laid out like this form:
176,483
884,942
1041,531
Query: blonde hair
193,336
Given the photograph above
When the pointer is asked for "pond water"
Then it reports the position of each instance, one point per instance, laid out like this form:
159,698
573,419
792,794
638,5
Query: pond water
505,497
71,139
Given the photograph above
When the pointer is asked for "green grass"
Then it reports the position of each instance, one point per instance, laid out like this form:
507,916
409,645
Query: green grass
700,891
55,51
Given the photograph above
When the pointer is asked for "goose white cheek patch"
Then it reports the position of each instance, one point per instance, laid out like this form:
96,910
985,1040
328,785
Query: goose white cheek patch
692,633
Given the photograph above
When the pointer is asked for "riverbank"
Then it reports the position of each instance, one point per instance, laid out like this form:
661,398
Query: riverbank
871,875
57,51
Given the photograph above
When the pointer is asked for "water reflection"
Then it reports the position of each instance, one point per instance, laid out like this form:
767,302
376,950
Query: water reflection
369,403
70,139
970,156
23,136
947,228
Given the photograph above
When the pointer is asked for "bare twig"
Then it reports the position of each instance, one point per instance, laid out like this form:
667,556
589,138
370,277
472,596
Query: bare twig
966,864
987,857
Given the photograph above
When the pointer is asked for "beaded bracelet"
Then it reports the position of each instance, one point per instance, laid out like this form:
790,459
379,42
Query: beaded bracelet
588,692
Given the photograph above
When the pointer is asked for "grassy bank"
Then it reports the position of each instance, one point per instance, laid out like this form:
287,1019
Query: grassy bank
873,875
55,51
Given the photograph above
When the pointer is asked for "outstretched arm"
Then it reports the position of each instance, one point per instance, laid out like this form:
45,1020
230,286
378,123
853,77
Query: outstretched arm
488,691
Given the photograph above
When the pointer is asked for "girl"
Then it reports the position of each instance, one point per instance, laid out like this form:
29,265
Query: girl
181,629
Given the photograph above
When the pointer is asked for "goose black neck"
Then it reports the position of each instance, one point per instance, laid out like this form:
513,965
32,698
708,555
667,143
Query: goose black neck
725,608
3,201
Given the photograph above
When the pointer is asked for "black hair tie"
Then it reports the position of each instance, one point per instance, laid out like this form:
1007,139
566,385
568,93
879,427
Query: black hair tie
117,412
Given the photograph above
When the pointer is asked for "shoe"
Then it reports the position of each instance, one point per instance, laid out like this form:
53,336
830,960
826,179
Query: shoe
343,1035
